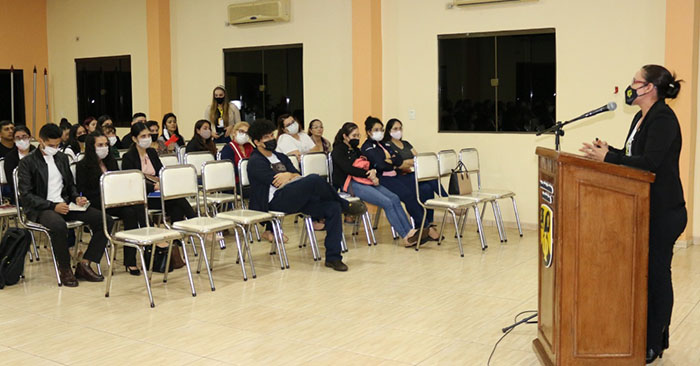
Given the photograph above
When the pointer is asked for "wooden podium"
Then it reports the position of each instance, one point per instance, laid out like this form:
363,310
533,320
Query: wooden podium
593,257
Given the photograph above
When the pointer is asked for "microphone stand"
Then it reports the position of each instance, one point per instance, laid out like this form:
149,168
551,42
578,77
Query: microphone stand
558,129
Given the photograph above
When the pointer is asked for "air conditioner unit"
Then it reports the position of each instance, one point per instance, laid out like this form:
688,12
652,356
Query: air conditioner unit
259,11
474,2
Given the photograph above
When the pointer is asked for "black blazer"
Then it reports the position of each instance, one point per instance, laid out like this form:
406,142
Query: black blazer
196,145
87,178
125,142
377,158
11,162
261,175
131,160
343,156
656,147
33,174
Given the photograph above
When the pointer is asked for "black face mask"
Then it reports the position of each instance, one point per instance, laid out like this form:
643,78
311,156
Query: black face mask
631,94
219,100
82,138
154,137
270,145
354,143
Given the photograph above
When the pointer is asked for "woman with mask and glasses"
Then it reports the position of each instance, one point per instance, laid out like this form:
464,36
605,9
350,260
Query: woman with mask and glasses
654,143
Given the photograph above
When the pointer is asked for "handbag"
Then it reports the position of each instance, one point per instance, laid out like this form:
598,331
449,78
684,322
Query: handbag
361,163
459,181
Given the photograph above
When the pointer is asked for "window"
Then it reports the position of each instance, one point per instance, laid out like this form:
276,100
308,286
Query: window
104,87
5,110
497,82
268,81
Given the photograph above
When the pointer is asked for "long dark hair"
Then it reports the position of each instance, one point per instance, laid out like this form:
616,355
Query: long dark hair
387,129
666,84
73,142
209,143
226,106
136,129
180,141
346,129
91,162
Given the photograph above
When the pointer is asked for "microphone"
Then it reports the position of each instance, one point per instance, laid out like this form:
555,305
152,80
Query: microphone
611,106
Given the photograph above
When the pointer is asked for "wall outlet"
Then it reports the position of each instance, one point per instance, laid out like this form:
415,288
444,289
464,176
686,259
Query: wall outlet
411,114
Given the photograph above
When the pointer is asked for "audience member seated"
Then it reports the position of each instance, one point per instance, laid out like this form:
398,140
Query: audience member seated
202,139
90,124
289,140
127,141
239,147
170,131
88,172
144,158
387,162
111,134
22,149
45,189
275,185
105,121
65,130
155,144
222,114
316,134
427,189
76,142
7,140
364,184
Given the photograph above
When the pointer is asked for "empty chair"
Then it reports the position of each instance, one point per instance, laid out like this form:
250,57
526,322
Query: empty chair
219,187
427,168
180,181
470,158
169,159
197,159
114,195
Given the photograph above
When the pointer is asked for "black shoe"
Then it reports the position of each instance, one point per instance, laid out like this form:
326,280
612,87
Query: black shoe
133,272
337,265
356,208
652,355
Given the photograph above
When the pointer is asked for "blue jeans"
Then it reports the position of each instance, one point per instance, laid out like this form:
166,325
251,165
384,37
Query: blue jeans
404,186
388,201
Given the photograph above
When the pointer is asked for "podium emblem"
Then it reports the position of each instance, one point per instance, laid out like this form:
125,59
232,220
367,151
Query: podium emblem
546,234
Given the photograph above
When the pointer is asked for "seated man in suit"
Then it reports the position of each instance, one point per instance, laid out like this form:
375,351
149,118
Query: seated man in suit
46,188
275,185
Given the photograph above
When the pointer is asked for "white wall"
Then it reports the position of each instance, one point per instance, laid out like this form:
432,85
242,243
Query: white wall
199,35
600,45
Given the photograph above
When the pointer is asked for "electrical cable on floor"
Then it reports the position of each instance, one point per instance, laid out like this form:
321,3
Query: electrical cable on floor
509,329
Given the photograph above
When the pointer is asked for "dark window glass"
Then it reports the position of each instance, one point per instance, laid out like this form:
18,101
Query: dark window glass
497,82
5,110
268,81
104,87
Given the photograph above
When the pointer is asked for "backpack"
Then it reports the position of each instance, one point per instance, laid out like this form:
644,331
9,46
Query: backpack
13,249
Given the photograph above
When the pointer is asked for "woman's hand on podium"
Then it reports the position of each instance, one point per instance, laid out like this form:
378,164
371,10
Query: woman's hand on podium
595,150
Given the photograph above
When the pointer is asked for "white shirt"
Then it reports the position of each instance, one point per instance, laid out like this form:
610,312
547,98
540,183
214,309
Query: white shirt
55,183
286,143
630,140
273,159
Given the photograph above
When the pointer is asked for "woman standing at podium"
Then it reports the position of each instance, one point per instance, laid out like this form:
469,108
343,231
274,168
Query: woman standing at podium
654,143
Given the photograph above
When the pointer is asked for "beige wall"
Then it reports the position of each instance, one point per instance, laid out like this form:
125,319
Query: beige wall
696,218
199,36
599,46
104,28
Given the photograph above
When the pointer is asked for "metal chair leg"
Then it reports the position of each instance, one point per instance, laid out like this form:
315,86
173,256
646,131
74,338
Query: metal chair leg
276,244
147,274
110,270
442,227
280,233
202,242
517,217
459,238
368,228
240,253
420,231
250,253
369,225
499,220
189,270
481,228
36,248
312,238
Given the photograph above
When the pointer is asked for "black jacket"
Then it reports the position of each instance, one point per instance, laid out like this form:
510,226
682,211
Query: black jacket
343,156
377,158
11,162
261,175
196,144
656,147
125,142
131,160
87,178
33,174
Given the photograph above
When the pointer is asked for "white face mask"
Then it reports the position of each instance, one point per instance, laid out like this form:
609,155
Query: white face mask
242,138
377,136
102,151
112,140
145,143
396,134
22,144
50,151
205,134
293,129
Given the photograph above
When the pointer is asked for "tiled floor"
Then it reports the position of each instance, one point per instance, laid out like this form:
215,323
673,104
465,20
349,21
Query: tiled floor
394,307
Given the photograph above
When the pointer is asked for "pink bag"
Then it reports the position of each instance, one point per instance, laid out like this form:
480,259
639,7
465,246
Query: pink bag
361,163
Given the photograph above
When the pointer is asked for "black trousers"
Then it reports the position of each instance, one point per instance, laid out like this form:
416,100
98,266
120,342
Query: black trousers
312,195
664,230
133,218
56,223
